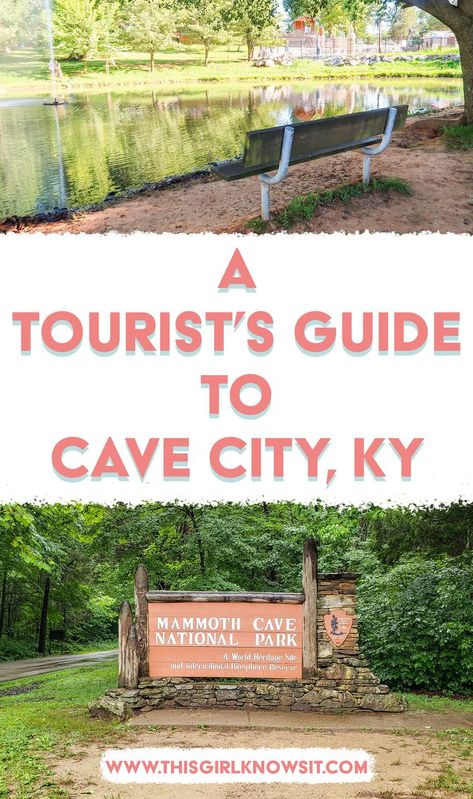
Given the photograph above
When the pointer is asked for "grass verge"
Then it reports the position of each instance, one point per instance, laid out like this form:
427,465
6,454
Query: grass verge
303,207
440,704
48,719
458,137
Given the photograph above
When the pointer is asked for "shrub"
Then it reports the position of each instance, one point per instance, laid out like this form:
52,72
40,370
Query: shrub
416,625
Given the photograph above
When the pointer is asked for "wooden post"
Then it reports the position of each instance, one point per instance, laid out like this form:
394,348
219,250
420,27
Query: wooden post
309,640
132,660
127,649
141,617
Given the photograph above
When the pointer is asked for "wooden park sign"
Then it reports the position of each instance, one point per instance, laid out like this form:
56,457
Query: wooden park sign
283,651
225,638
220,634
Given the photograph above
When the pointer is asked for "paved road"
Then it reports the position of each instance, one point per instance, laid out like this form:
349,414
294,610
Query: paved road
16,669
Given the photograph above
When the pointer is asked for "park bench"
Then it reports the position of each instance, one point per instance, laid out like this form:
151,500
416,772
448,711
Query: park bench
281,147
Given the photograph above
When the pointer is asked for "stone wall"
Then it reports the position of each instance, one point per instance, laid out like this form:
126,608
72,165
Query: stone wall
344,681
360,691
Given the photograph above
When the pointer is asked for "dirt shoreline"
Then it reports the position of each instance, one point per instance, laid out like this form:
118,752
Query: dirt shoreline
441,201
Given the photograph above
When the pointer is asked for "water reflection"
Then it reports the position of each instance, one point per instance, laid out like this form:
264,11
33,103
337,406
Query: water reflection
77,154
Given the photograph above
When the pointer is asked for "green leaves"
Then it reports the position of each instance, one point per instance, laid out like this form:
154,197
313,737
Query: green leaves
416,624
414,592
84,29
149,25
205,21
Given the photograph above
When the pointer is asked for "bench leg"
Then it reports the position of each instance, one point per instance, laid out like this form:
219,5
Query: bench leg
267,181
265,202
369,152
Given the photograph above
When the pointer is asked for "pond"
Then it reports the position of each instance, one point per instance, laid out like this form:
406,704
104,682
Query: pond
77,154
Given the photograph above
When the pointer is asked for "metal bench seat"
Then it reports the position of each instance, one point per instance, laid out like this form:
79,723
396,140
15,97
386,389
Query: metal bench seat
287,145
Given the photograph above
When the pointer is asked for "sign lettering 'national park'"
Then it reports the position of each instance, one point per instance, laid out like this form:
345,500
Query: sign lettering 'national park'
337,625
222,639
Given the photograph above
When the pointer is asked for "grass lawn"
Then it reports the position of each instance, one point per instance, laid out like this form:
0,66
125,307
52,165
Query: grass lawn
50,715
25,72
48,719
439,704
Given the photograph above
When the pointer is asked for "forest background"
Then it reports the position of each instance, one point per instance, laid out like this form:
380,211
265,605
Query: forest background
69,567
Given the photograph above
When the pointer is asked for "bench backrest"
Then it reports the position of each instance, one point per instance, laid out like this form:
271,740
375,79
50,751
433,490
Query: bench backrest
320,137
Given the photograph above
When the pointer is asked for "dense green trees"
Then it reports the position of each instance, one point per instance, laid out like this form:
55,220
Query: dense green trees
84,29
417,624
405,24
71,566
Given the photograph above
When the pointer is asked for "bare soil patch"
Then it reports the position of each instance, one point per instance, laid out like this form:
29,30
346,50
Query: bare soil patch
441,180
404,759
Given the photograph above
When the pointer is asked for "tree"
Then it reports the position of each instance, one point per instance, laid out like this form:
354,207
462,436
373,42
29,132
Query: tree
428,23
84,29
331,15
149,26
20,23
206,22
405,25
255,21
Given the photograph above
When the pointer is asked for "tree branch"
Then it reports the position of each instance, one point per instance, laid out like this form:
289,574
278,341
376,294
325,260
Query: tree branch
443,11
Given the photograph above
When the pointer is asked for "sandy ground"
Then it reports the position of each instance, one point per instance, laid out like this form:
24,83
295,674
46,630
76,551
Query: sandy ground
442,200
404,747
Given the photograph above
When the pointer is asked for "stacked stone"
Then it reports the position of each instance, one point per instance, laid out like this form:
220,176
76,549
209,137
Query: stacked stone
355,690
344,681
337,591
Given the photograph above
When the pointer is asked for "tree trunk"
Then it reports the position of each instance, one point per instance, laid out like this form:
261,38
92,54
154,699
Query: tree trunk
250,46
189,510
464,34
206,57
151,61
10,611
460,21
3,601
44,618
